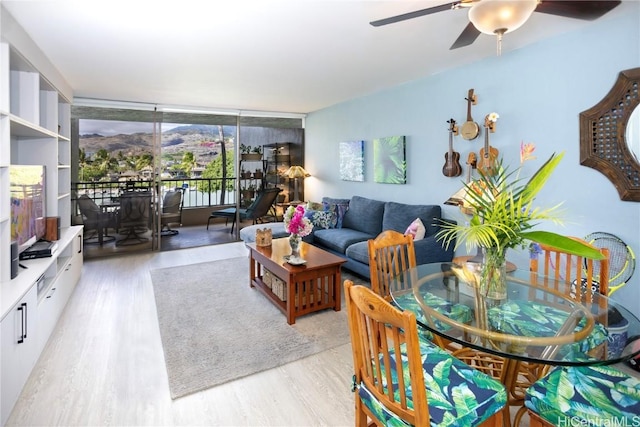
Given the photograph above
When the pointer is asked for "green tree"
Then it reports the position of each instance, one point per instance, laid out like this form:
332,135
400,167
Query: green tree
105,162
214,170
143,160
188,162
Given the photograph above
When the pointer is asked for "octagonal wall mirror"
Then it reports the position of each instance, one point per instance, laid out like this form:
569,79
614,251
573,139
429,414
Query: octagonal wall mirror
610,135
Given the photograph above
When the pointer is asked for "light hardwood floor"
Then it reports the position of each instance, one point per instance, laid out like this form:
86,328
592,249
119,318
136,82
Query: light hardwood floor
104,363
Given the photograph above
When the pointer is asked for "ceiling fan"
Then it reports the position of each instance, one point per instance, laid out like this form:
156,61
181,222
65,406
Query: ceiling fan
502,16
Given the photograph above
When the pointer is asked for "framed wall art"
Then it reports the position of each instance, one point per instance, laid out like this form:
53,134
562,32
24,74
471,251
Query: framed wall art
352,161
389,160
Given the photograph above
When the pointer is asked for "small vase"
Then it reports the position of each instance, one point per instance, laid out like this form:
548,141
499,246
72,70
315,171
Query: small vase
493,274
294,242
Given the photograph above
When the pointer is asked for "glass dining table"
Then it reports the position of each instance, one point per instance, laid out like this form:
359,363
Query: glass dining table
537,322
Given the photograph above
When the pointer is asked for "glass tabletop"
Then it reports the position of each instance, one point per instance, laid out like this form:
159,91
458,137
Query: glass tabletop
534,323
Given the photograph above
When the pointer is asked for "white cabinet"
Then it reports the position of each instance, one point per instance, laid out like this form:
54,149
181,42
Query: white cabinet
30,306
58,287
19,349
35,129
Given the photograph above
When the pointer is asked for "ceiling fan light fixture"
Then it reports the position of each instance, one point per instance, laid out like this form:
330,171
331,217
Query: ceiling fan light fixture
501,16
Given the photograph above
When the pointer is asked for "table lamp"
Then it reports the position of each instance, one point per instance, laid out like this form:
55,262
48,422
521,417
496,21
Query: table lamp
295,173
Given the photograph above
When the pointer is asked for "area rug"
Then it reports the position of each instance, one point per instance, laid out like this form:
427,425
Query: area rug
215,328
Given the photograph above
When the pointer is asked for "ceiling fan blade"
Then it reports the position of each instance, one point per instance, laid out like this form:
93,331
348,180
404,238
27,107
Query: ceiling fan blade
415,14
588,10
468,36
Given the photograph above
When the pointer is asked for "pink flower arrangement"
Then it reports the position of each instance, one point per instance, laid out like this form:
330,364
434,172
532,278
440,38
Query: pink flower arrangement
295,222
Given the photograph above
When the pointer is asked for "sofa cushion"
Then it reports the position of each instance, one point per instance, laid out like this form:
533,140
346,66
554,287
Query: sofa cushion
366,215
359,252
398,216
339,239
339,206
416,230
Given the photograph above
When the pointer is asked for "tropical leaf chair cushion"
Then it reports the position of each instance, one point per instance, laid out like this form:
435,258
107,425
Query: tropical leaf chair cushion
461,313
533,319
458,395
594,395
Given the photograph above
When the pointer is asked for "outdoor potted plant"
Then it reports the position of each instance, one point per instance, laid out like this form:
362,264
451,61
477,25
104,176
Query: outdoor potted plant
245,174
258,174
251,154
248,192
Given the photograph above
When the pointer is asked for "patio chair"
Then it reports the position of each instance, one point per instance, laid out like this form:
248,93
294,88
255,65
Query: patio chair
172,203
94,219
135,217
258,209
391,365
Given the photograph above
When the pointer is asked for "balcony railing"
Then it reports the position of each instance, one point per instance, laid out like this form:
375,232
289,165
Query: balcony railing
198,192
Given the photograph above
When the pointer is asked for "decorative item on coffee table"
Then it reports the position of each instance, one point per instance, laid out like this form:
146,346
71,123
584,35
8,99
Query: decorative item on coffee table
264,236
298,226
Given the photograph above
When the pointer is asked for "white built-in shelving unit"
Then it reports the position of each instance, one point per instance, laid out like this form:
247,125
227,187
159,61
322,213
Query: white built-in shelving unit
35,129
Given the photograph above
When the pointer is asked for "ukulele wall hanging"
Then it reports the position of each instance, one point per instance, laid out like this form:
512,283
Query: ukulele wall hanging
470,129
452,166
488,154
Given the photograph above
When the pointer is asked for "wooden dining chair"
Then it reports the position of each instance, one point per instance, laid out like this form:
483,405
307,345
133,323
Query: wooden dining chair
390,255
587,276
400,379
581,279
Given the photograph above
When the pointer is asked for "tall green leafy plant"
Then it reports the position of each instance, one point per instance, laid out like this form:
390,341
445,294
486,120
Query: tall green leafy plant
504,214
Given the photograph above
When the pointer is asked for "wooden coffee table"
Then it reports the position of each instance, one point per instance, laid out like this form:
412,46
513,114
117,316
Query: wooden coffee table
296,290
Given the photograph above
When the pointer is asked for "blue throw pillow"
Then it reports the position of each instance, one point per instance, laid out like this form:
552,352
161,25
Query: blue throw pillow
339,206
321,219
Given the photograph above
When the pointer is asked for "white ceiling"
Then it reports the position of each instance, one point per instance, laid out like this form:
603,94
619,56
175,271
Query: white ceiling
270,55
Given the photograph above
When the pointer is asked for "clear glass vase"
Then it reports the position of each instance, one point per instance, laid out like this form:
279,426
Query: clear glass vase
493,273
294,242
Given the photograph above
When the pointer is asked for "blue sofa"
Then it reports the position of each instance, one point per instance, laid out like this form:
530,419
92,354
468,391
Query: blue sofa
366,218
359,219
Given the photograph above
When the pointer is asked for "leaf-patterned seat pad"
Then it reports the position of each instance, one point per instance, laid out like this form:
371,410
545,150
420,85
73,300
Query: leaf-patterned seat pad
457,394
458,312
586,395
532,319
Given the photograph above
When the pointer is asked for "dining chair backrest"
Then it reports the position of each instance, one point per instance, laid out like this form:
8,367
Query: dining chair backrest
378,332
588,277
390,254
390,363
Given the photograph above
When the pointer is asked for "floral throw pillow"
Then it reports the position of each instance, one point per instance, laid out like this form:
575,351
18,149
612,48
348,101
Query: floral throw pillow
321,219
339,209
416,230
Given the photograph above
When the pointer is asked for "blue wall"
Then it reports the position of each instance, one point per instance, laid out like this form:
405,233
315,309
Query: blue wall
538,91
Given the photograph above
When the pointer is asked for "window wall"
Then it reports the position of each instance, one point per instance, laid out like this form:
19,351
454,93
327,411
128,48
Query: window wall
120,149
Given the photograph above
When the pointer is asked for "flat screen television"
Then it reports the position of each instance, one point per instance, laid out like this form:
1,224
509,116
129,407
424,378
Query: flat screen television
28,204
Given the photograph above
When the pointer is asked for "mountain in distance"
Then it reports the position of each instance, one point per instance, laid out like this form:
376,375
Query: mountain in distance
198,139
